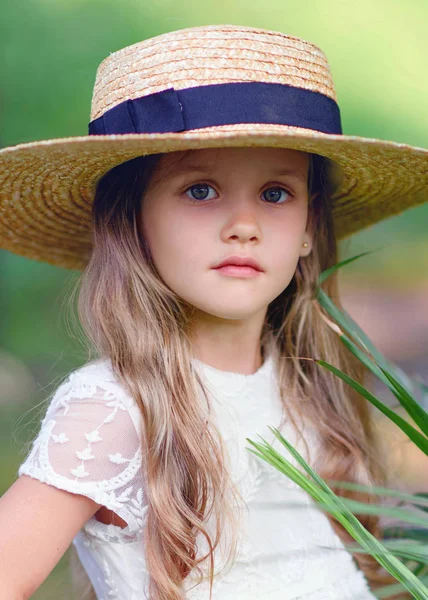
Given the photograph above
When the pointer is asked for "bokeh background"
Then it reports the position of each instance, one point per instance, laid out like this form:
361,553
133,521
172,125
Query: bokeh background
50,50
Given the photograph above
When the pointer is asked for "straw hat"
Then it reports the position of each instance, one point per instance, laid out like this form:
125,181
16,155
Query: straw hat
202,87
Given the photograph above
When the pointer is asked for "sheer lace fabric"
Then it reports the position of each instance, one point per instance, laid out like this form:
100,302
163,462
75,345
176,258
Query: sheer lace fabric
90,443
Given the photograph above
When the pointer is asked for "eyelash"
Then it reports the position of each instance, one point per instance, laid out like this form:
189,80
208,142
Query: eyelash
201,184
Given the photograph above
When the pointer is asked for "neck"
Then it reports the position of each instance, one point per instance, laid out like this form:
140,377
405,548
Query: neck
229,345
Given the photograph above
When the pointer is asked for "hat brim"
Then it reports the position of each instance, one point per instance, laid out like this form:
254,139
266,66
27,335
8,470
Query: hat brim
47,187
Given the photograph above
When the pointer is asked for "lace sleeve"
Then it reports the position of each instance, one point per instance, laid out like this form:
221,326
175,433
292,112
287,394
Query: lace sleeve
89,444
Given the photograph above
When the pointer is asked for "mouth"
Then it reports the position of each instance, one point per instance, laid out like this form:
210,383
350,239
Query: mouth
240,262
243,271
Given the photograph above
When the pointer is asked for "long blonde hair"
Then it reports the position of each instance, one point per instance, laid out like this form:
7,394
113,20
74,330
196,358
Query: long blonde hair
130,316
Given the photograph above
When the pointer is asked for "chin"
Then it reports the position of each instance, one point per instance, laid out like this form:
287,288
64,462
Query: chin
231,312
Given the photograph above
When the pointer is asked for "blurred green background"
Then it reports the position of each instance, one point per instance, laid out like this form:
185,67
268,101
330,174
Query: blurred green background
51,49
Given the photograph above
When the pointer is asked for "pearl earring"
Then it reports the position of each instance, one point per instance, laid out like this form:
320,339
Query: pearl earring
305,244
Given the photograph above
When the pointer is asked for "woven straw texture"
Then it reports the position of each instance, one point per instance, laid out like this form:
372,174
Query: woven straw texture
47,187
206,56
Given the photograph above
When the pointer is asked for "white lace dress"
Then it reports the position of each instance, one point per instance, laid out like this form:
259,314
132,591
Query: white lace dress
89,443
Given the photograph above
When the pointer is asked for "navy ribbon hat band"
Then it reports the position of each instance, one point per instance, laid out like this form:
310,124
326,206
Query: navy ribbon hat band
172,111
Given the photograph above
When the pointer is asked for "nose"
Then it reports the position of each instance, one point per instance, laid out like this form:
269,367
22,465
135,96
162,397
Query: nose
242,221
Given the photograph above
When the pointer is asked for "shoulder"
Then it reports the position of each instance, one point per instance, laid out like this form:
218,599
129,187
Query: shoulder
89,442
96,373
95,383
98,368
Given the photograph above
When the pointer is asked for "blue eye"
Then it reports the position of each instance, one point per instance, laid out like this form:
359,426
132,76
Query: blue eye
275,194
199,191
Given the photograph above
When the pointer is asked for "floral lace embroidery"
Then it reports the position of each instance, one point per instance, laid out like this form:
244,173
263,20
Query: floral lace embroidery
89,444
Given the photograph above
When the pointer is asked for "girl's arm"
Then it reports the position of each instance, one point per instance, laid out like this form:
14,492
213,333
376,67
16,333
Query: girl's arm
85,456
37,523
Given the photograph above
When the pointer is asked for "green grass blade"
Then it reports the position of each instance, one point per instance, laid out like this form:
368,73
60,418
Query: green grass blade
399,544
369,363
393,512
327,272
419,499
401,554
415,410
411,533
422,496
372,354
347,323
322,493
418,438
395,588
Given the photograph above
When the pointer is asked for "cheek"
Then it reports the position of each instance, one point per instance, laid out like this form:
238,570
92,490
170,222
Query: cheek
155,229
286,237
175,243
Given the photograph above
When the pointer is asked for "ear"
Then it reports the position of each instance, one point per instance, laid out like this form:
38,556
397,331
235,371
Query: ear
308,236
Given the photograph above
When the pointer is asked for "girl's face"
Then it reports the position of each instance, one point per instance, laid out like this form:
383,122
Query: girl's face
203,206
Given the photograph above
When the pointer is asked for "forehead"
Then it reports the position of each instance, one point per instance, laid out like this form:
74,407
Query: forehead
221,158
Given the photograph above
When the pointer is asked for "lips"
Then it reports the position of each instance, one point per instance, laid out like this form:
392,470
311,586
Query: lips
240,261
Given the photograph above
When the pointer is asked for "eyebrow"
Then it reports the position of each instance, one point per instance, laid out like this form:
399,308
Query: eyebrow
281,172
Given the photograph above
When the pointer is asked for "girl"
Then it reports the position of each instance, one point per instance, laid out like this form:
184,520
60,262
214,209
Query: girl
202,207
